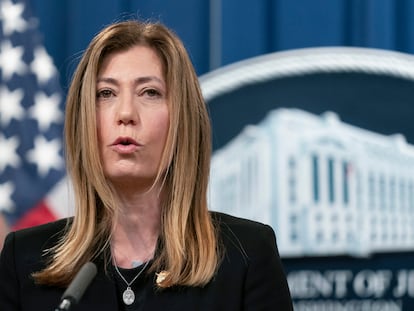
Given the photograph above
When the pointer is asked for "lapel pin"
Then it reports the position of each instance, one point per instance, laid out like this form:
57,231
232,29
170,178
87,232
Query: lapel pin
161,277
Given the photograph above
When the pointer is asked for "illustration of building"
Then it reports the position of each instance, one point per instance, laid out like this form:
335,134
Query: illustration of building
326,187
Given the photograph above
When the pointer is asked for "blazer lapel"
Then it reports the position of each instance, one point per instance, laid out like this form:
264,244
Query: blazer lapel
101,294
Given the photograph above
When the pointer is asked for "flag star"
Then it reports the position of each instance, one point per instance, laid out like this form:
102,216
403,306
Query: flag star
11,60
45,155
8,154
6,191
42,65
10,105
46,110
11,15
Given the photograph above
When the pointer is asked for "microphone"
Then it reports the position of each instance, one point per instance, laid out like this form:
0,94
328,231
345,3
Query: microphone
77,287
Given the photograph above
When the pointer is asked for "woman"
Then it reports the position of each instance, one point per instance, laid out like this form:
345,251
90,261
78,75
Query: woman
137,138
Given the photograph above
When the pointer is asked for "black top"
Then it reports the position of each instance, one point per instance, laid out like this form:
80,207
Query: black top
250,276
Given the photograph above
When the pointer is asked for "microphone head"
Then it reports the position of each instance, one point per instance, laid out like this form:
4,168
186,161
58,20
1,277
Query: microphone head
81,281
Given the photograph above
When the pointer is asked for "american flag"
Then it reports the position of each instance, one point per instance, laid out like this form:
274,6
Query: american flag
33,187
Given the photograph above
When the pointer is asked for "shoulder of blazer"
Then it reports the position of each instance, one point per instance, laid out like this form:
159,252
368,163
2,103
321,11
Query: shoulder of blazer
248,237
48,231
239,226
30,243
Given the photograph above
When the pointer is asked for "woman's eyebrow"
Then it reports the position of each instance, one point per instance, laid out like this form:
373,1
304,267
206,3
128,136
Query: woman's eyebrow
139,80
145,79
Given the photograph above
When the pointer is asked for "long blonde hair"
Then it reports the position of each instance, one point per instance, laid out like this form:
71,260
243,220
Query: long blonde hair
188,246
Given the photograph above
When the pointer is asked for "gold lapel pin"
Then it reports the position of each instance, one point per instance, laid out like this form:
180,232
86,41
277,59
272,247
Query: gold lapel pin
161,277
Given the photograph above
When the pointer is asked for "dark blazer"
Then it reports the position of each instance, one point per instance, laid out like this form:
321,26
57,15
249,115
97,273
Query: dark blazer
250,276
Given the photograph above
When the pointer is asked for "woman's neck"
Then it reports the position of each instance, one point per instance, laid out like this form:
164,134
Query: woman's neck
137,227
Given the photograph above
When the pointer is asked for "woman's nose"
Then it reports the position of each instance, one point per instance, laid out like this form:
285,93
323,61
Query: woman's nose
127,113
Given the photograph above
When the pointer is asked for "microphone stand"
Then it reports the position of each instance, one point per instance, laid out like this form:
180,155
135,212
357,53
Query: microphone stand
65,305
77,287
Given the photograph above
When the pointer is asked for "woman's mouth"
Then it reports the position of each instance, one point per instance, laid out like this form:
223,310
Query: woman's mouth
124,145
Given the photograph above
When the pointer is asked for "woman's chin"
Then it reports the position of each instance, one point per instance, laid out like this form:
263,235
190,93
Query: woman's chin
135,180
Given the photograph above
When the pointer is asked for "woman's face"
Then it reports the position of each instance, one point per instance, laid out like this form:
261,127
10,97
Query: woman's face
132,115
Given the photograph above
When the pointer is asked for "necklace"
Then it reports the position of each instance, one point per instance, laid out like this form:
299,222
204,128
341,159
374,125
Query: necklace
128,296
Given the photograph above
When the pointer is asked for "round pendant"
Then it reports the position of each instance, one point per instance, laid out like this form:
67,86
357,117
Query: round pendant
128,296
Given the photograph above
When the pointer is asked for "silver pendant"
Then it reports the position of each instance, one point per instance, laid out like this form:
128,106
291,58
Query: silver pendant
128,296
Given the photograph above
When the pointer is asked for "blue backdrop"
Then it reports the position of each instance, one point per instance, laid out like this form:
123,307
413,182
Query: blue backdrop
219,32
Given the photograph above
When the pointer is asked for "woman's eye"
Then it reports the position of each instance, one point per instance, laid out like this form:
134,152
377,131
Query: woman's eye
152,93
104,94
